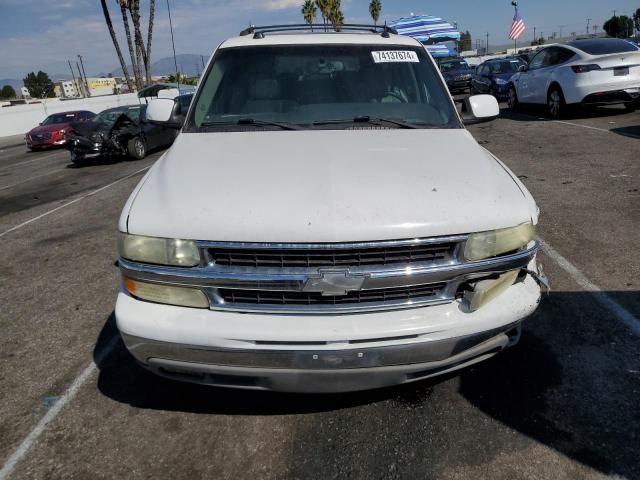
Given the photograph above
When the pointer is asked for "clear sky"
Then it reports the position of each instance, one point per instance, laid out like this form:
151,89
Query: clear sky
41,34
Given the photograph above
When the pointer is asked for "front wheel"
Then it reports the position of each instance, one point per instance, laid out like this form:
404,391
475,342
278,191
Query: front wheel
512,99
631,107
556,106
136,148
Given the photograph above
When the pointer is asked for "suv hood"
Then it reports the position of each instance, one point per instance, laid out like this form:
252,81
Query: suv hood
325,186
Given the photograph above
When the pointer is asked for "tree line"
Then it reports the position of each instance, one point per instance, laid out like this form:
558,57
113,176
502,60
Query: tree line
331,12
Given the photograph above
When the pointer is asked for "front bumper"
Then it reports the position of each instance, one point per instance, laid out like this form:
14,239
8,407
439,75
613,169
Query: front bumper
459,85
334,353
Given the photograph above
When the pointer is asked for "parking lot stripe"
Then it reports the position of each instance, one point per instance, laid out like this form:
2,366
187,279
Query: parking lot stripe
26,180
624,315
64,205
43,157
64,399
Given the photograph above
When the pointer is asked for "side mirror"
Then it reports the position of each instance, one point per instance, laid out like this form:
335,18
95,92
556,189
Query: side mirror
160,111
523,68
480,108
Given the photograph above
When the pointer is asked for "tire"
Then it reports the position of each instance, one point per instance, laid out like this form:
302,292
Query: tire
512,99
632,106
136,148
556,106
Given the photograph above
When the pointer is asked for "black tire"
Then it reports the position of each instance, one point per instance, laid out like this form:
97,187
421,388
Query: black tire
632,106
136,148
556,106
512,99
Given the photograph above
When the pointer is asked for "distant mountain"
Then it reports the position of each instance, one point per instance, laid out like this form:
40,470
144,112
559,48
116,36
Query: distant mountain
189,64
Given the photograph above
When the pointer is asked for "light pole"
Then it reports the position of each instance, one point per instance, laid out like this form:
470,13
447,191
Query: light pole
86,82
515,40
588,22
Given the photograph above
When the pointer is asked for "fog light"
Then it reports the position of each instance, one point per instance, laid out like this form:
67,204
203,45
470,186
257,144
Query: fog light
167,294
486,290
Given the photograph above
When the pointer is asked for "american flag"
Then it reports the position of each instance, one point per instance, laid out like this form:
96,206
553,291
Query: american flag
517,27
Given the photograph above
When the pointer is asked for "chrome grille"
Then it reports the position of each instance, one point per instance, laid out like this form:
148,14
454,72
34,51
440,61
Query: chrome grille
263,297
405,255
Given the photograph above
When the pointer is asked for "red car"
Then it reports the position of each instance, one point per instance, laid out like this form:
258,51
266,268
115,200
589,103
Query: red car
53,131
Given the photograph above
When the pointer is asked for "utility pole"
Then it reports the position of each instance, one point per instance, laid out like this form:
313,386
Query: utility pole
534,34
588,22
75,84
560,28
85,76
487,43
81,89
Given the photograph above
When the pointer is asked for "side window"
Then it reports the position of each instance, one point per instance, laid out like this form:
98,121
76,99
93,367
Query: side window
540,60
564,55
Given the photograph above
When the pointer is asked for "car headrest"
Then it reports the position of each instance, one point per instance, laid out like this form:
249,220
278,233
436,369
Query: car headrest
264,89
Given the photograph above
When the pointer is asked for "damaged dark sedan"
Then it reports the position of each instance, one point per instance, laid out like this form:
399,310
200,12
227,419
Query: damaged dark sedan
121,131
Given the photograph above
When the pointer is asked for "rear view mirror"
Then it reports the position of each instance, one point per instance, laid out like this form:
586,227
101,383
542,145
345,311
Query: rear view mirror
160,112
480,108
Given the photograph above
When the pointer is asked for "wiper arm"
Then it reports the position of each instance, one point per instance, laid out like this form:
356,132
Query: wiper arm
370,120
254,122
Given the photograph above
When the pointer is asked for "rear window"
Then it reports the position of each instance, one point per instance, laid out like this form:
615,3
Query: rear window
603,46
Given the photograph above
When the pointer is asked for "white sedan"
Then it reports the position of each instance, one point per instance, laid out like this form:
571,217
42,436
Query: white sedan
602,71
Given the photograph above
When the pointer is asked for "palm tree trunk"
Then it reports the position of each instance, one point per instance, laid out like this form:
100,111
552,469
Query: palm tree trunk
152,8
123,64
141,52
127,31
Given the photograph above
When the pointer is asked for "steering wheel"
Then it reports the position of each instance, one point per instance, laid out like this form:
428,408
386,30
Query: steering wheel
395,95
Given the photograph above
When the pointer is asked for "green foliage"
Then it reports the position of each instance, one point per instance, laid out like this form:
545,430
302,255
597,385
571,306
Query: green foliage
39,85
309,11
540,41
181,79
465,41
619,26
375,8
7,92
636,19
335,14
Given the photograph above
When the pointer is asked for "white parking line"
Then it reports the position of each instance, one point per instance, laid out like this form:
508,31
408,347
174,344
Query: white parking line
589,127
64,205
66,397
28,180
624,315
607,302
43,157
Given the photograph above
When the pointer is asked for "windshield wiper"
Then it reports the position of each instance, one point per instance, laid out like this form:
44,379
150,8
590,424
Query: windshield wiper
379,121
254,122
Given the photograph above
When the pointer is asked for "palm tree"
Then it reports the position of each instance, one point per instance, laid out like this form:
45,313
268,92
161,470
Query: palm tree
335,15
114,39
375,7
141,52
324,7
124,5
309,12
152,9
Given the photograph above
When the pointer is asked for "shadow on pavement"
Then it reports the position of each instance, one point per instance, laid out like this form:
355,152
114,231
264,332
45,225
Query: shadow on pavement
632,132
536,113
571,384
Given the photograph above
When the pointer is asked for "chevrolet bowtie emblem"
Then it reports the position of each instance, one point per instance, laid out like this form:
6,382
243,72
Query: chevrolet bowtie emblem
333,283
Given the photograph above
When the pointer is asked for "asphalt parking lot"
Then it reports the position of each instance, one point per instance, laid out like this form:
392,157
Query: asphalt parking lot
563,404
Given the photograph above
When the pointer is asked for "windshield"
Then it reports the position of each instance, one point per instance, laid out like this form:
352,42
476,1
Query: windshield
510,66
457,65
59,118
111,115
307,85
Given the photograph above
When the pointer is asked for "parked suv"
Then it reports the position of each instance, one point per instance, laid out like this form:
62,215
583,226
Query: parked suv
324,223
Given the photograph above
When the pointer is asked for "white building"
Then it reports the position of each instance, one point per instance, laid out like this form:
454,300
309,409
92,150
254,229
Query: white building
69,89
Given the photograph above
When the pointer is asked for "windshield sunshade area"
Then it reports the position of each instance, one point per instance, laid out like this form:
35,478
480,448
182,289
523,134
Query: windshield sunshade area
321,87
110,116
453,66
604,46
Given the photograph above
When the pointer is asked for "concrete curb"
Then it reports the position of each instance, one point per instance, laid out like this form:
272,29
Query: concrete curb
11,141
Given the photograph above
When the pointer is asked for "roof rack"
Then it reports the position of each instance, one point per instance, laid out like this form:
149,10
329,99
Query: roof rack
259,32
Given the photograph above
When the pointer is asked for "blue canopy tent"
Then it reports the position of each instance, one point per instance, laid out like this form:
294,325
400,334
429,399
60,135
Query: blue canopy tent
438,36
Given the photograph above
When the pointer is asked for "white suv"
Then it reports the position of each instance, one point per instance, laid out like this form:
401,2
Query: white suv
324,222
603,71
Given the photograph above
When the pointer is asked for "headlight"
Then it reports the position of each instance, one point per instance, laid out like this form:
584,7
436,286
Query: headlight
491,244
62,132
500,81
161,251
167,294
